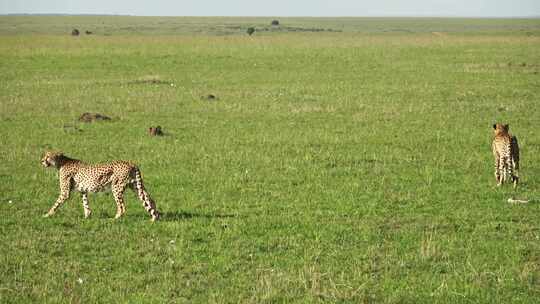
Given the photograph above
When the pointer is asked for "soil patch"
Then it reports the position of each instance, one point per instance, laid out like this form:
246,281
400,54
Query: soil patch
91,117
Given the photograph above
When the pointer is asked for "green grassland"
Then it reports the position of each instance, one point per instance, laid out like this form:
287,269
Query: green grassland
350,165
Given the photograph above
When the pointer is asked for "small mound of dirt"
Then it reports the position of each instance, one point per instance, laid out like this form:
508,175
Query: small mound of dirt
209,97
155,131
91,117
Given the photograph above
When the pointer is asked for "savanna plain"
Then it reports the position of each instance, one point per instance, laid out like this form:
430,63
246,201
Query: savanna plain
341,160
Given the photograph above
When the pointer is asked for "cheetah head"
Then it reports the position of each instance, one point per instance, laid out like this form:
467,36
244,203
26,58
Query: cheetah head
51,158
500,129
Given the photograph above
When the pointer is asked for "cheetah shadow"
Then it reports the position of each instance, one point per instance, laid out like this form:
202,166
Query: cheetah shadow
167,216
183,215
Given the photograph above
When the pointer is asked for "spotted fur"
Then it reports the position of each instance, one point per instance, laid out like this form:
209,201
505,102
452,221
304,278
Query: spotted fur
79,176
506,153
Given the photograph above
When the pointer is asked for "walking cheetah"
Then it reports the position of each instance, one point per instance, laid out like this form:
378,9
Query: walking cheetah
506,153
77,175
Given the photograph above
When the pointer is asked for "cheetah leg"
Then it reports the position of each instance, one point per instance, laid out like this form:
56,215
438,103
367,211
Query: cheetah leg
86,206
118,194
65,188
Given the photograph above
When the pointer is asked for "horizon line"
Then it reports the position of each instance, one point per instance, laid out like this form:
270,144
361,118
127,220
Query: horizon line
277,16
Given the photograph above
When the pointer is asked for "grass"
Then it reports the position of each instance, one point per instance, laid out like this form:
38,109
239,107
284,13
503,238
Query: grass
350,166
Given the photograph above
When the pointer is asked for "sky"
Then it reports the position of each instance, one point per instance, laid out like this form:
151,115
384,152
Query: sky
278,8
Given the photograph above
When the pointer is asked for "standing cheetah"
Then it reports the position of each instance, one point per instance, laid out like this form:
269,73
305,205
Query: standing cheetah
77,175
505,150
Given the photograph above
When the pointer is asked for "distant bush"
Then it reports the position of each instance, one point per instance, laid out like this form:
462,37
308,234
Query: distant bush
275,22
250,30
75,32
88,32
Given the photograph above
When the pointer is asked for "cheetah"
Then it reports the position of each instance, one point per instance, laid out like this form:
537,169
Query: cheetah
505,150
77,175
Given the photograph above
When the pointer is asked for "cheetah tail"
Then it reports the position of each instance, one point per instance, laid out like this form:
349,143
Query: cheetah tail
148,203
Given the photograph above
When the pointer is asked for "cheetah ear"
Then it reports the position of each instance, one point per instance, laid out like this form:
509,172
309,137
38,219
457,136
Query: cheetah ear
494,126
507,127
